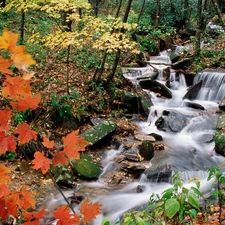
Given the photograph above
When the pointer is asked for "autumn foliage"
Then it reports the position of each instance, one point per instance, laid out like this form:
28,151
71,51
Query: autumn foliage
17,90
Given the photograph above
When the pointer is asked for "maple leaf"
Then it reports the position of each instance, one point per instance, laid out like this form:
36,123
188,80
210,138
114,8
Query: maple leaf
4,65
21,59
8,40
73,144
4,177
19,200
4,191
41,162
47,143
90,211
59,158
25,133
28,76
25,103
5,116
7,143
16,87
33,218
3,210
64,217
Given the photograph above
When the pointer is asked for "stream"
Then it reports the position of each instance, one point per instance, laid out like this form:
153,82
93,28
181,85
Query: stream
190,150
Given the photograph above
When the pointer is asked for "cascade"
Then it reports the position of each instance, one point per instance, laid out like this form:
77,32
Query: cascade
186,146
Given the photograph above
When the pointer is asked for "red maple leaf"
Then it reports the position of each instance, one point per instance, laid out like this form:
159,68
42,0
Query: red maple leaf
33,218
4,191
41,162
4,65
3,210
59,158
25,133
64,217
89,211
4,177
19,200
26,103
73,145
5,116
7,143
16,87
47,143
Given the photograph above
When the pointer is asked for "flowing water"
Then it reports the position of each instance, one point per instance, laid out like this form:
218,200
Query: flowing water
185,144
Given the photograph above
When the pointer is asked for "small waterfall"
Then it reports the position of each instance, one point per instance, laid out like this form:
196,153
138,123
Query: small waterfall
213,87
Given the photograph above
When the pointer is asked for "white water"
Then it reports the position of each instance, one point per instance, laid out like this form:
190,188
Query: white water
187,143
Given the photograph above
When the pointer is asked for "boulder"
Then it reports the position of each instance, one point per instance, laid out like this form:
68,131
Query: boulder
174,56
194,105
156,86
146,150
193,91
99,132
219,139
182,64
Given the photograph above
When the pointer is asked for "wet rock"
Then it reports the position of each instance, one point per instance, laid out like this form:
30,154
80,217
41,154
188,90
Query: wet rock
182,64
146,150
100,132
159,147
193,91
174,56
156,136
220,143
171,121
220,122
141,137
133,155
156,86
194,105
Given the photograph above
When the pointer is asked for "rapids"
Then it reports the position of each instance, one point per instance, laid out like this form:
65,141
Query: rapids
119,199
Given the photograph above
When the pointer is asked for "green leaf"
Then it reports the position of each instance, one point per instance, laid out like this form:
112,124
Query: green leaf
196,191
168,192
193,200
192,213
139,220
172,206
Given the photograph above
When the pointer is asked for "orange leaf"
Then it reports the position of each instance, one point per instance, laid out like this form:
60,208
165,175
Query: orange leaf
33,218
59,158
7,143
16,87
19,200
90,211
5,116
4,177
26,103
8,40
3,210
28,76
47,143
25,133
21,59
41,162
73,144
4,65
4,191
64,217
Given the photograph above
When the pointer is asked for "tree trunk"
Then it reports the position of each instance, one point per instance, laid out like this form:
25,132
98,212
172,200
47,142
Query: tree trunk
101,66
158,12
116,61
199,30
217,9
141,12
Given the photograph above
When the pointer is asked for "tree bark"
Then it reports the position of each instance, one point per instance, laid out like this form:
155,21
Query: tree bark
199,30
217,9
158,12
116,61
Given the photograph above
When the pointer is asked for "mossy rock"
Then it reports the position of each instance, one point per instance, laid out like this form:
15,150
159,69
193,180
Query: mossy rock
220,122
219,139
98,132
86,168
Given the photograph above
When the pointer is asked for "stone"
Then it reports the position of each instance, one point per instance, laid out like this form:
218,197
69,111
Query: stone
194,105
146,150
141,137
193,91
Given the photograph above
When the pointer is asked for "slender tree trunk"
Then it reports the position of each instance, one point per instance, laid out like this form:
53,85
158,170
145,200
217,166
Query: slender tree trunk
217,9
199,30
22,27
141,11
116,61
101,66
158,12
186,14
